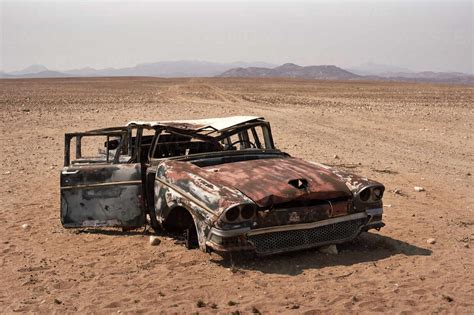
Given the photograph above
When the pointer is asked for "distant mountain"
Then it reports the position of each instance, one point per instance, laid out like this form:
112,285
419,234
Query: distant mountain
374,71
4,75
290,70
33,71
165,69
45,74
29,70
370,68
428,76
42,74
87,71
171,69
191,68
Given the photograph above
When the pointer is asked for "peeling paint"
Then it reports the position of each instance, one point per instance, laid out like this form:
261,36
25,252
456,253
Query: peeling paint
229,196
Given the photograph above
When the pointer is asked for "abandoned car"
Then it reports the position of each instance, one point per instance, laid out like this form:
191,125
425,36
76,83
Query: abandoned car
221,182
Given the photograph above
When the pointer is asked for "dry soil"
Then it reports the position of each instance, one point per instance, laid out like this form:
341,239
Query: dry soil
403,135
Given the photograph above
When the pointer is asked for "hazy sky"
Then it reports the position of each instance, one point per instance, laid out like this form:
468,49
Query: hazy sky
421,35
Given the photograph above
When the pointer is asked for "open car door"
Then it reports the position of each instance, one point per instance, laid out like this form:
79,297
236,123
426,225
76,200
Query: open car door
102,185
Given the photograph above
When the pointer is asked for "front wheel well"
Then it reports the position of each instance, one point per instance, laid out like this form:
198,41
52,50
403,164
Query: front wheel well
179,219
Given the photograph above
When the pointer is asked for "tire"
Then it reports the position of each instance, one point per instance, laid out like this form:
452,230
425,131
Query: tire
190,238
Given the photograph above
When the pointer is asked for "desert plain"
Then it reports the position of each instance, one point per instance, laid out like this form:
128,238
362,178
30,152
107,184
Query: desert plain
401,134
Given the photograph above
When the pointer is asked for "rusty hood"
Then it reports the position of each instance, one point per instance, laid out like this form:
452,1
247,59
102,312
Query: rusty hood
274,181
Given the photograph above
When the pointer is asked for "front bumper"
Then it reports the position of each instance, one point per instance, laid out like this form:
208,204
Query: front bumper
286,238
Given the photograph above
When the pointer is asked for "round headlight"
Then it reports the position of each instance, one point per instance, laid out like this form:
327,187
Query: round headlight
247,212
378,193
232,214
364,195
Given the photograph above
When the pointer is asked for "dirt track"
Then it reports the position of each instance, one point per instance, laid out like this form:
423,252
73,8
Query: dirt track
403,135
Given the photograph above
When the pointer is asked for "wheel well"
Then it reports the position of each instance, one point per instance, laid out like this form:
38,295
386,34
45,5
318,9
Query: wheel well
179,219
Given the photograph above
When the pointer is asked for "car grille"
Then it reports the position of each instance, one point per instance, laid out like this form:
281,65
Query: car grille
276,242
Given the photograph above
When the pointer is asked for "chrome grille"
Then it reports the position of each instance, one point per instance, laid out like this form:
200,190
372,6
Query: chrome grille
275,242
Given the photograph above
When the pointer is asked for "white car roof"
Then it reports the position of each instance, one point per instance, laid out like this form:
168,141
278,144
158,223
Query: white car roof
217,124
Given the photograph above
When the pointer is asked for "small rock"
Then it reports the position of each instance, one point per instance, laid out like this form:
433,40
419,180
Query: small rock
7,173
419,189
295,307
466,245
431,241
468,174
154,240
25,226
336,156
56,301
447,298
200,303
330,249
388,206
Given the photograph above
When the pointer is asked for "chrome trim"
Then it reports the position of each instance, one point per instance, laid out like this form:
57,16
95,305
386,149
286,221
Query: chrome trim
375,211
248,231
70,172
374,225
311,225
228,233
91,186
372,213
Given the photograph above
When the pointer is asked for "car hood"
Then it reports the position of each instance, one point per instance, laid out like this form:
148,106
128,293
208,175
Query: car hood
274,181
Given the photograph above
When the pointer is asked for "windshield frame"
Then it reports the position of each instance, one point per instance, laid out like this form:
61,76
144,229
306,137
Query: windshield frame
218,137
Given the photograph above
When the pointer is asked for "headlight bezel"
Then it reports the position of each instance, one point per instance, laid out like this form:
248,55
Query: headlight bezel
233,212
248,209
370,194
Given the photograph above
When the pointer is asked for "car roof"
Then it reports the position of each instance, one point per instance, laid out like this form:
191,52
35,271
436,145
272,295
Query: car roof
217,124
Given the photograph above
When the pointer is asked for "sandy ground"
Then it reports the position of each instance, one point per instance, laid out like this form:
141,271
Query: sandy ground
403,135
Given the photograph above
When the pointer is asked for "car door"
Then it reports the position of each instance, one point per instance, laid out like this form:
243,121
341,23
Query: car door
102,188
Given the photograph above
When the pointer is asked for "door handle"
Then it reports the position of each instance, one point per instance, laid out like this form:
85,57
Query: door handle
70,172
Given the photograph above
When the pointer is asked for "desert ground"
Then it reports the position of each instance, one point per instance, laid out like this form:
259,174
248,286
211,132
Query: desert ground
403,135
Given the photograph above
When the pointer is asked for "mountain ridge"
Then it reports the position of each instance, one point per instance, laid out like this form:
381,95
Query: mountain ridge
291,70
196,68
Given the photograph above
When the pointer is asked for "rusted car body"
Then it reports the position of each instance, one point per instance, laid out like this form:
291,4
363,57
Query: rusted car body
221,181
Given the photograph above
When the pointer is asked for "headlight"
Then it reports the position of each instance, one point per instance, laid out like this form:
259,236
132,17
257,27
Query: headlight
371,193
247,212
378,193
364,195
240,213
232,214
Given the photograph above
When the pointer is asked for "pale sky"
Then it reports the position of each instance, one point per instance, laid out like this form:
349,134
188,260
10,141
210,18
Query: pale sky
420,35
